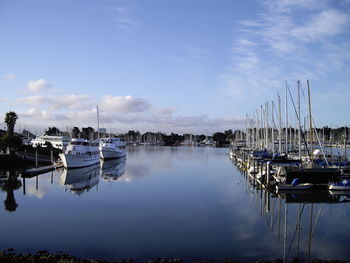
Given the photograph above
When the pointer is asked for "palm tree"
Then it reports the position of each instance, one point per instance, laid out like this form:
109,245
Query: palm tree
10,120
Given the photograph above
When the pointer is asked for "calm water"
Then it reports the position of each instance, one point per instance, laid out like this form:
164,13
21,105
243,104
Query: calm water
183,202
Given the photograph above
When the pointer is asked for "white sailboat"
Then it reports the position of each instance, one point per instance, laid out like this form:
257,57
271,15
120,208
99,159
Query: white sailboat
110,148
81,153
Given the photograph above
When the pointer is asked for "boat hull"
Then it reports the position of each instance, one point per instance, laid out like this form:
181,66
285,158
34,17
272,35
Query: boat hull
290,187
112,154
339,187
78,161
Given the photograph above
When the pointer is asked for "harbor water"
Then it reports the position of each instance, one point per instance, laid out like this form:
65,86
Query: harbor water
170,202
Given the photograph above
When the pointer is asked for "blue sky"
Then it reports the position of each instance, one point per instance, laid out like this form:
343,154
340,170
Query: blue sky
170,65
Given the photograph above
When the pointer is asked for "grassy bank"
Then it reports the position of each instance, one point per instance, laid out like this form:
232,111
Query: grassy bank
43,256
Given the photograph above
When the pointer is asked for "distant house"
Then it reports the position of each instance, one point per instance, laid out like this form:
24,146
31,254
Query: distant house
27,137
103,132
59,142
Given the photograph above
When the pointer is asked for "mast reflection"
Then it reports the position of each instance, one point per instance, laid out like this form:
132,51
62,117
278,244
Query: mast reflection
295,216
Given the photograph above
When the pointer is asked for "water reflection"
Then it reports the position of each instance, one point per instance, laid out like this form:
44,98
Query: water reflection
302,220
80,180
178,202
9,183
112,169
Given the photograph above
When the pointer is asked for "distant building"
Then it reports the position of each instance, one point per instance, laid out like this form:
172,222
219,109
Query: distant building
27,137
102,131
59,142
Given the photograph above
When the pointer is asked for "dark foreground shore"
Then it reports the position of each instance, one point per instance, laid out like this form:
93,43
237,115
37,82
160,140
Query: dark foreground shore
10,255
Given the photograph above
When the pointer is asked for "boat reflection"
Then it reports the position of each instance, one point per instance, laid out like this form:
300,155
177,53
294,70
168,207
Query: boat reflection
112,169
343,196
80,180
311,197
296,217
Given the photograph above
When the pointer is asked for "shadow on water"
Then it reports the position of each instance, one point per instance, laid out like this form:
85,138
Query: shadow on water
9,183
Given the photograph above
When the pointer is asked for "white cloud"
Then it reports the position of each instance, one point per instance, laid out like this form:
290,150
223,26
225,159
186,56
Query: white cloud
8,77
122,10
324,24
290,40
71,101
125,18
292,5
124,112
37,85
57,102
34,100
124,104
34,113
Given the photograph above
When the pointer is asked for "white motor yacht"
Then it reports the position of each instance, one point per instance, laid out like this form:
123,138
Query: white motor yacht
111,148
80,153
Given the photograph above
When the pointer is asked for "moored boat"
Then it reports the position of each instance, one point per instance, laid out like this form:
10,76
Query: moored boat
344,185
111,148
80,153
293,186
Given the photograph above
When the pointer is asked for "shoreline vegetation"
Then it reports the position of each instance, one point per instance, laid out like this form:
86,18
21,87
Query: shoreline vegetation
42,256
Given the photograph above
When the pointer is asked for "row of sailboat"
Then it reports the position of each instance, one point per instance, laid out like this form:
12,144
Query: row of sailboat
289,157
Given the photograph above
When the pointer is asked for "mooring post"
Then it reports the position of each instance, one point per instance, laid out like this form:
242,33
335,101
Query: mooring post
24,185
36,158
51,157
254,166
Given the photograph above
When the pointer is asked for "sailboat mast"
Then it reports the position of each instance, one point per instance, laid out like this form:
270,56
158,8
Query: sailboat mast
286,139
262,127
345,143
273,130
267,125
98,122
279,125
257,130
299,122
310,119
